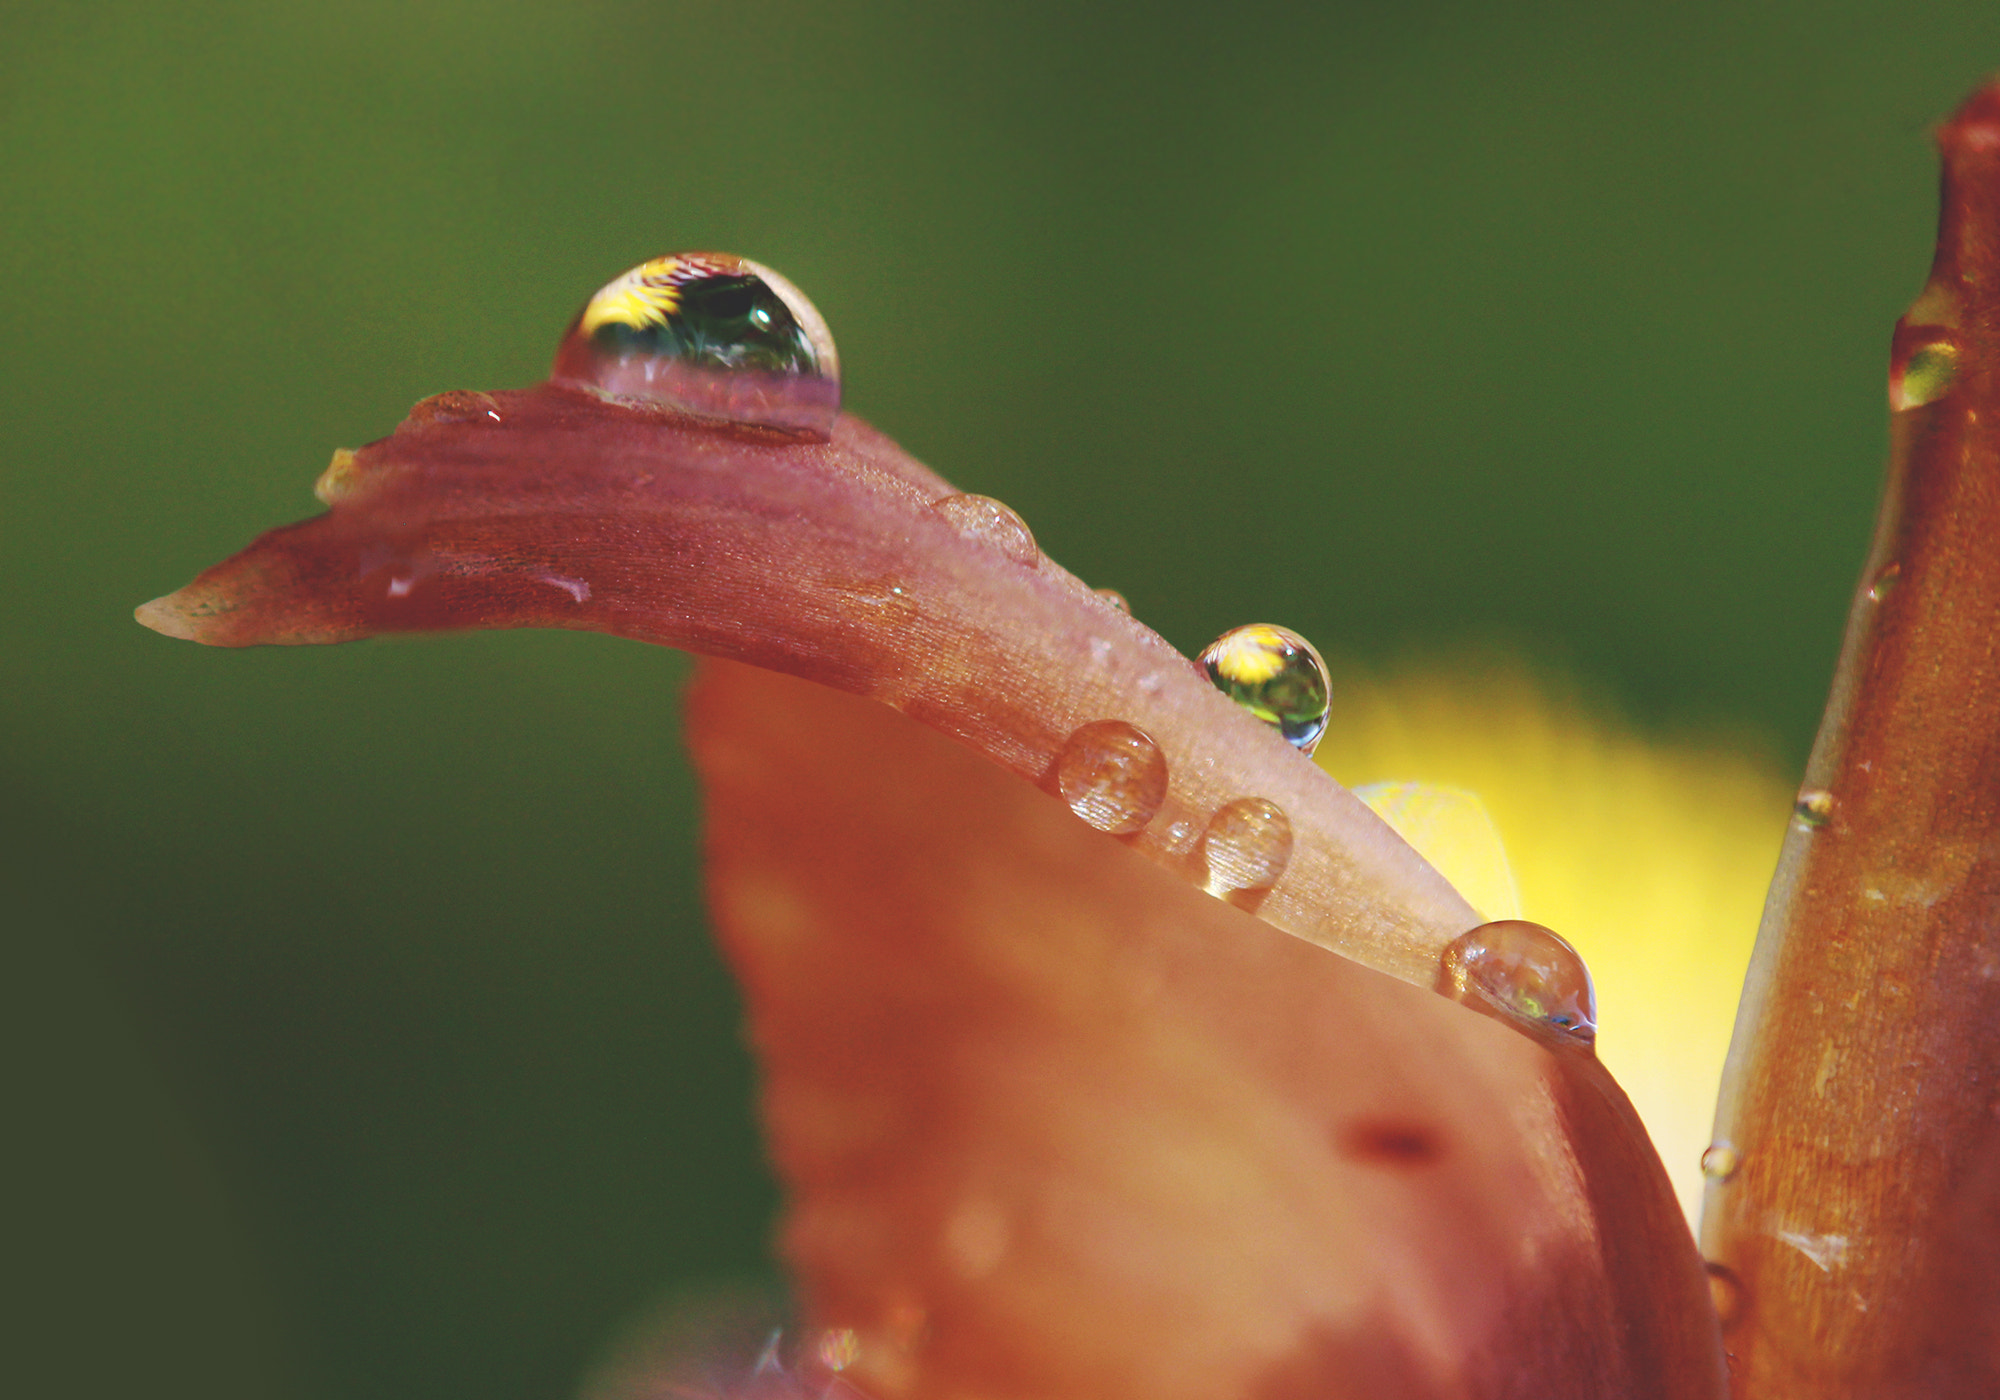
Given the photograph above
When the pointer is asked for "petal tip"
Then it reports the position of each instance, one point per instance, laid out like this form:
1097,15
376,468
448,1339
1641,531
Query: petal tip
170,617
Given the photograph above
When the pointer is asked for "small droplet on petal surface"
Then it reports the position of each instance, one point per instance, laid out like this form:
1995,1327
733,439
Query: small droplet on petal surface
1245,848
340,479
1923,375
1725,1294
1112,775
1814,809
1276,675
1114,598
1719,1162
1884,583
992,523
708,334
454,406
1525,971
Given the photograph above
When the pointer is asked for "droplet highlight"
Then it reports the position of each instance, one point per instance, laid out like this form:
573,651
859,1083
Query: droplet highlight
1115,599
1276,675
1526,972
992,523
1719,1161
1925,374
1884,583
1813,810
1112,775
708,334
1245,848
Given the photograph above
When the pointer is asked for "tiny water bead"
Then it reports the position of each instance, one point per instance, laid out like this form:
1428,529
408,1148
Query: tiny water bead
1114,599
1527,972
1719,1161
708,334
992,523
1245,848
1925,374
1276,675
454,406
1884,583
1814,809
1112,775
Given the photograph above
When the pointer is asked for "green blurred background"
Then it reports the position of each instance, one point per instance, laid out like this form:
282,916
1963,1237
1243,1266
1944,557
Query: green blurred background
366,1036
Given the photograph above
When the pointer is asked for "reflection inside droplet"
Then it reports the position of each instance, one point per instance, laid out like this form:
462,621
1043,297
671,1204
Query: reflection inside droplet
1719,1161
1276,675
1112,775
1814,809
708,334
1925,374
1525,971
1884,583
992,523
1245,848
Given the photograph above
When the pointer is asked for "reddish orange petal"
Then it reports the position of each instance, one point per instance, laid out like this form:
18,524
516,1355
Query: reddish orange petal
1055,1124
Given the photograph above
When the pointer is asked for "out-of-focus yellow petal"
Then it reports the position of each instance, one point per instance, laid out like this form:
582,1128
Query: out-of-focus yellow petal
1650,855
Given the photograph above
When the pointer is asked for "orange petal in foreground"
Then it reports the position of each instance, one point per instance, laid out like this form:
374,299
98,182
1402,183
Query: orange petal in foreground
1054,1121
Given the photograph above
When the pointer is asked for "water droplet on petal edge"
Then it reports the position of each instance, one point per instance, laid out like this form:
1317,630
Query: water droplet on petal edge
1245,849
993,523
1924,374
1276,675
708,334
1526,972
1814,809
1719,1161
1112,775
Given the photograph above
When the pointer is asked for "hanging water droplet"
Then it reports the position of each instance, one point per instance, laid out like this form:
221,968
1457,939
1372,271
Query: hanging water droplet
1725,1293
341,479
1924,374
708,334
1245,848
1719,1161
1885,582
992,523
1814,809
1114,598
1276,675
1112,775
1525,971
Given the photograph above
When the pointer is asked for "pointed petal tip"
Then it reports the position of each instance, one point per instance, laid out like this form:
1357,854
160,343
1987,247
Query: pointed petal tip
168,616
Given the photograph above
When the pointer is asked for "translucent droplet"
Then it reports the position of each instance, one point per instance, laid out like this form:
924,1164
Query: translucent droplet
454,406
341,478
1245,848
1725,1293
1114,598
1885,582
992,523
1275,674
708,334
1719,1161
1814,809
1525,971
1925,375
1112,775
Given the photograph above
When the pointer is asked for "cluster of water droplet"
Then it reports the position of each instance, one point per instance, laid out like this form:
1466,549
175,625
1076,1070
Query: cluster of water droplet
1276,675
708,334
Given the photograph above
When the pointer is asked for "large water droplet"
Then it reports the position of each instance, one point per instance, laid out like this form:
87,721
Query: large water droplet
1527,972
992,523
1275,674
1719,1161
1925,374
1245,848
1112,775
708,334
1814,809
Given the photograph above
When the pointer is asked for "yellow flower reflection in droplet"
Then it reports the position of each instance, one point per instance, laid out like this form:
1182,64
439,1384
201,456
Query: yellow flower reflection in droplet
1650,855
